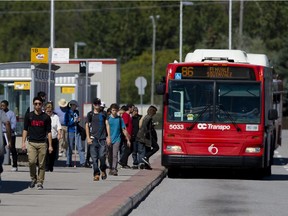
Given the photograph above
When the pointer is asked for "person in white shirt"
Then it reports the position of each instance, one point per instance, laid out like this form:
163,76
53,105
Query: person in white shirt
56,136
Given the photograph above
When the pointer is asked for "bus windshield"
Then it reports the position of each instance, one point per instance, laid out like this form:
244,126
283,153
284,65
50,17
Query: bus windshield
214,101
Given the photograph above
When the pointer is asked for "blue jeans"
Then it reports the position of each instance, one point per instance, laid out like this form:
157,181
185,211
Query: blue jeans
80,148
135,152
98,152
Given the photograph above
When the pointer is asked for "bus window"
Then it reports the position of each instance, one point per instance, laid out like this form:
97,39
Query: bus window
239,102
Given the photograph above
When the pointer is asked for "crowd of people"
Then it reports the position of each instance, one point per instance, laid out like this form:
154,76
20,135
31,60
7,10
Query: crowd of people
112,135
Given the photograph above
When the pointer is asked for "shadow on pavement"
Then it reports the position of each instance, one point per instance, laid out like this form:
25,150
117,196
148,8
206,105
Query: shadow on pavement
14,186
280,161
221,173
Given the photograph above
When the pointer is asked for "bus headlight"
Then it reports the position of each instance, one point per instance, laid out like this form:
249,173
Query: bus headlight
173,148
252,150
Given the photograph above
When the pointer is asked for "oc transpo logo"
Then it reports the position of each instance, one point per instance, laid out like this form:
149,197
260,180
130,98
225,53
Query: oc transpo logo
212,149
204,126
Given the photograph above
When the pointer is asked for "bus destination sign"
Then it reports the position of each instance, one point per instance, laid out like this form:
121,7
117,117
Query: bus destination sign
215,72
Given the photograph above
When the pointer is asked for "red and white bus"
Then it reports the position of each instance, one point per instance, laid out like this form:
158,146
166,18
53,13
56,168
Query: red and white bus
221,108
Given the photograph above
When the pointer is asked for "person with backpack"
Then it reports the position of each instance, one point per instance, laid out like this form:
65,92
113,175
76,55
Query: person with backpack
38,125
117,127
98,136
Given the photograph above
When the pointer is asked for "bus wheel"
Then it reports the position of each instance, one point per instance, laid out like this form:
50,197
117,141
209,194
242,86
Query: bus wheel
173,173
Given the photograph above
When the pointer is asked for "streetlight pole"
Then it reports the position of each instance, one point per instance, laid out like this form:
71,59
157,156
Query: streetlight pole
180,31
76,44
230,24
50,49
153,55
181,27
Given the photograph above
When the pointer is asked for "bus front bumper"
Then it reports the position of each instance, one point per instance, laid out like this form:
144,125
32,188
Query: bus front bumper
191,161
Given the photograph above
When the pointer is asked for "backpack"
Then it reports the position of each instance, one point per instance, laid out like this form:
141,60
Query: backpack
82,132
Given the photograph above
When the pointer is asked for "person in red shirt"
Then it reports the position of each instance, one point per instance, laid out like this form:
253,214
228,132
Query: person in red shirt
125,148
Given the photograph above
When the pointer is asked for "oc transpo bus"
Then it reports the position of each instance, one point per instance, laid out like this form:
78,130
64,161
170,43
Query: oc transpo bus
221,109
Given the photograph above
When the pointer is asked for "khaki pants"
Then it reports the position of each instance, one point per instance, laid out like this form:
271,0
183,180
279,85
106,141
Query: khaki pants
37,153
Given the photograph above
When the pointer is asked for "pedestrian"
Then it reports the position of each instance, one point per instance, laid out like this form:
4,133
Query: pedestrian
126,151
4,120
147,138
60,111
134,147
56,136
98,136
117,126
37,125
71,120
12,119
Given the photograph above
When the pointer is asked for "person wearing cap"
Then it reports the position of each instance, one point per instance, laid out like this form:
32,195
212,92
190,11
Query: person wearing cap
71,120
98,136
60,111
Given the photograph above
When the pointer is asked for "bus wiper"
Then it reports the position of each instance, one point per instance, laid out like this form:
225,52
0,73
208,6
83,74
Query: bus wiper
198,117
221,107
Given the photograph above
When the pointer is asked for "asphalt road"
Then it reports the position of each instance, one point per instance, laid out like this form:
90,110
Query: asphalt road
222,192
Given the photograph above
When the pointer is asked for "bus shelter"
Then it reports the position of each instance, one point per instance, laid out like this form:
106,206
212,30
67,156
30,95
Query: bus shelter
20,82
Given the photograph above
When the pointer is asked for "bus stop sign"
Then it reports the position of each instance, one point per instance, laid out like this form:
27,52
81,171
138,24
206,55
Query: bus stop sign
141,83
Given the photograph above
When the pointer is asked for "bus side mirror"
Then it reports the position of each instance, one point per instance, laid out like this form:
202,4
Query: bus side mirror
161,86
272,114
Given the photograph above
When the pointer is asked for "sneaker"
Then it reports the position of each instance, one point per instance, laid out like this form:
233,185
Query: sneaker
32,185
115,173
126,167
39,186
14,169
135,167
103,175
145,160
141,165
148,167
96,178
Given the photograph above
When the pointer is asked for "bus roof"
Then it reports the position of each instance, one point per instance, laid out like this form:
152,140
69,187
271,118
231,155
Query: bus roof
226,55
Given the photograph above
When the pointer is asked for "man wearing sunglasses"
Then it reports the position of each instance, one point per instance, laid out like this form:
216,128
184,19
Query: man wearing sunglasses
37,125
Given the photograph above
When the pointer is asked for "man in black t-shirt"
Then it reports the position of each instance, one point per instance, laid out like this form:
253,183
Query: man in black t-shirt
38,125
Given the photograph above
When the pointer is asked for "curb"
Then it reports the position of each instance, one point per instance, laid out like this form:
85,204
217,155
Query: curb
123,198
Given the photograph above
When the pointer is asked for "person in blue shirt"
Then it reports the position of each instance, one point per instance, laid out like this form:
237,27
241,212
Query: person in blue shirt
117,127
71,120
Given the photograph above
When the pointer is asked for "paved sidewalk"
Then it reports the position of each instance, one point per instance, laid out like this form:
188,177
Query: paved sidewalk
72,191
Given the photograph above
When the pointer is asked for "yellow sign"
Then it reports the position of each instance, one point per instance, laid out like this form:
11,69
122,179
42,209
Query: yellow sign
21,85
68,90
39,55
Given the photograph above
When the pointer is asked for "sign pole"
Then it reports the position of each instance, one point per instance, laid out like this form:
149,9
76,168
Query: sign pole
86,82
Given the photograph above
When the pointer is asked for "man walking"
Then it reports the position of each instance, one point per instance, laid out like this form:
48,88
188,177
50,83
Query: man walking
98,134
4,120
12,119
38,125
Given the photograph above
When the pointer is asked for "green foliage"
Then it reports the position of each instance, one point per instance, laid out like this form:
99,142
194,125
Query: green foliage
123,30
